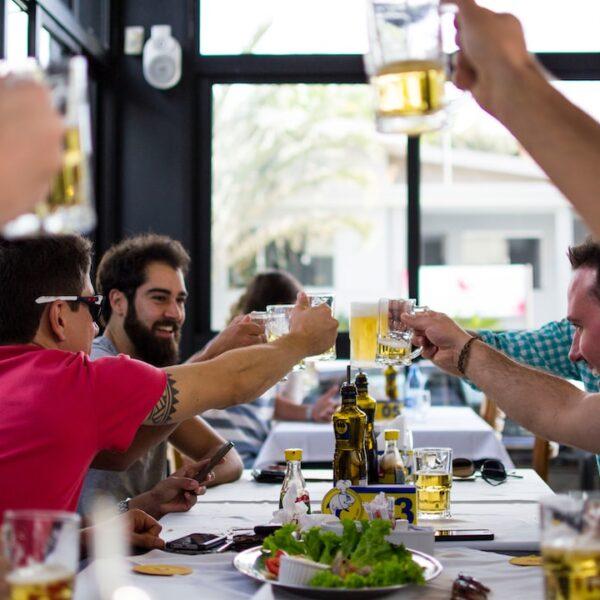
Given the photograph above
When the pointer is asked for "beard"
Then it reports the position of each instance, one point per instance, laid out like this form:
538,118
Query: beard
147,345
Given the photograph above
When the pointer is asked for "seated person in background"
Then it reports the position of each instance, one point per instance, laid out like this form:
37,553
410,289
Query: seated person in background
60,409
248,426
546,405
142,279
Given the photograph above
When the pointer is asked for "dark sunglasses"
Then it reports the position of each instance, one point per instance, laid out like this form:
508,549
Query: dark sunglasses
93,303
492,470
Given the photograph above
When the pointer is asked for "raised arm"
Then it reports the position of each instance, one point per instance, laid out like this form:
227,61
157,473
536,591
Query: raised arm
242,375
546,405
510,84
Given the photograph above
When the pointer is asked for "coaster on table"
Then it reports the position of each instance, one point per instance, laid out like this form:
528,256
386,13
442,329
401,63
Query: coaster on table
162,570
533,560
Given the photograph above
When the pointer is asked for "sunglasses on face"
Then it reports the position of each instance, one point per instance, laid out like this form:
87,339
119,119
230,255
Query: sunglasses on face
492,470
93,303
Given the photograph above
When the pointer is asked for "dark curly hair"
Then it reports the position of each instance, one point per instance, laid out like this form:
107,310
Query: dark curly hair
123,266
587,255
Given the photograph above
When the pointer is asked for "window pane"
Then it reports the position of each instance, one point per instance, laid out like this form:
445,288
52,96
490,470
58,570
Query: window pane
301,182
555,26
338,26
50,50
505,227
282,27
92,16
16,31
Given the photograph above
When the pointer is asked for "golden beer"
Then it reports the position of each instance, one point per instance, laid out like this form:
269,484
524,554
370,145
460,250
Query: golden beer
571,573
69,187
433,494
409,88
363,333
41,582
392,350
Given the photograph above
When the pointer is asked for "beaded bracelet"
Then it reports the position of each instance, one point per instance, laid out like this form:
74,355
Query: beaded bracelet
464,355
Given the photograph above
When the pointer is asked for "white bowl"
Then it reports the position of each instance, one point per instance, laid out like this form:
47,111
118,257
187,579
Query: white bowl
297,570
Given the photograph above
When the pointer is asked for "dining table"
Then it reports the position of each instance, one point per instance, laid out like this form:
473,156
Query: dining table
456,427
509,510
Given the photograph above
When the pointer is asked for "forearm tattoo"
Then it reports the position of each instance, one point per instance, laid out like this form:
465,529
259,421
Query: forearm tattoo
165,407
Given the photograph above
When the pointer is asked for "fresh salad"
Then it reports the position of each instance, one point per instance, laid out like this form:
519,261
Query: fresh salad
360,557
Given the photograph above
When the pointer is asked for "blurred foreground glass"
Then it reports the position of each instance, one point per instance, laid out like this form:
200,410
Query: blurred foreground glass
394,338
406,64
42,548
316,300
433,468
69,205
570,543
278,324
363,334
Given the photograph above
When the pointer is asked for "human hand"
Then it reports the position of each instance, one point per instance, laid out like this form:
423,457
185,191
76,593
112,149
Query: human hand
31,134
492,49
314,327
325,405
239,333
439,336
143,529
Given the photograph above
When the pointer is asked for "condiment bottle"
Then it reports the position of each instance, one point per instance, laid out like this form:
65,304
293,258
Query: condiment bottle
368,405
293,474
391,465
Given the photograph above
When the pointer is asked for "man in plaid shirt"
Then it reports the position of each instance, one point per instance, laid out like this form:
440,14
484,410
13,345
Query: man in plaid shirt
547,405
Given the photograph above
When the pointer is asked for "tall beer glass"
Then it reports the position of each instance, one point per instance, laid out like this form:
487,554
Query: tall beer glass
363,334
570,543
316,300
433,468
42,547
406,64
69,205
394,338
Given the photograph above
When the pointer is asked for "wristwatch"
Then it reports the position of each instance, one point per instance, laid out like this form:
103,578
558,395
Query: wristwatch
123,505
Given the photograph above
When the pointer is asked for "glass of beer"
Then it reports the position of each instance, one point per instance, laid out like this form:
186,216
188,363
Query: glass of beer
42,547
278,324
316,300
69,205
570,543
363,334
406,64
433,468
394,338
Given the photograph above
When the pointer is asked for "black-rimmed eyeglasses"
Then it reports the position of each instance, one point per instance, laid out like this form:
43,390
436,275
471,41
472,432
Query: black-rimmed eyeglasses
93,303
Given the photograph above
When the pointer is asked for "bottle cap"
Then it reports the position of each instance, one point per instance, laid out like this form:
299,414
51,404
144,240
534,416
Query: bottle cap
361,382
293,454
391,434
348,389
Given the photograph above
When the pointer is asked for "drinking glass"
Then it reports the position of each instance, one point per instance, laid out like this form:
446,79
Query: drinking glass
363,334
394,338
406,64
570,544
316,300
42,548
433,468
278,324
69,205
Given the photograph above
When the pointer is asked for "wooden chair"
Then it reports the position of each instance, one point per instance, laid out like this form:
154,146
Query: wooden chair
543,450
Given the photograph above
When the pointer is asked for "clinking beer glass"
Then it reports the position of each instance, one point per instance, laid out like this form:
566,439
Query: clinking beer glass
406,64
394,338
42,547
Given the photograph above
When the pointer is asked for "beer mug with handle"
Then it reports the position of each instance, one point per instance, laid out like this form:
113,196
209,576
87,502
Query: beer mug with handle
394,338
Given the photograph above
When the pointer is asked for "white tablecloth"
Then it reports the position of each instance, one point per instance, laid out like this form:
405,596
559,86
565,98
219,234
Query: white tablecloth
509,510
456,427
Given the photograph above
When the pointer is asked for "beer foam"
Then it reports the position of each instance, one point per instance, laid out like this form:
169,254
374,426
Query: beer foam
39,574
363,309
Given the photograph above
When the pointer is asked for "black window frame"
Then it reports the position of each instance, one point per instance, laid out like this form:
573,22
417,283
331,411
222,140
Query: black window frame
315,68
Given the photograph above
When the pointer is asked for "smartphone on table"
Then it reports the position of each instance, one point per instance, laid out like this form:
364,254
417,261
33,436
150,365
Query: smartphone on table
463,535
195,543
215,459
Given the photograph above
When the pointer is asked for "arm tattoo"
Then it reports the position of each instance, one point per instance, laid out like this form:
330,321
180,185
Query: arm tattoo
165,407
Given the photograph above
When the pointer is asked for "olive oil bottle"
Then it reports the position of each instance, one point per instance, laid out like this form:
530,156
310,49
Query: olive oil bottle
368,405
350,427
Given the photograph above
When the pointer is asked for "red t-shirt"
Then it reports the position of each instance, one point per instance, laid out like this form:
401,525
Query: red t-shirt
57,411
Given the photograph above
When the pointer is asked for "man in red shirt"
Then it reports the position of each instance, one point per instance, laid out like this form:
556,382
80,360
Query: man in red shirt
59,409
